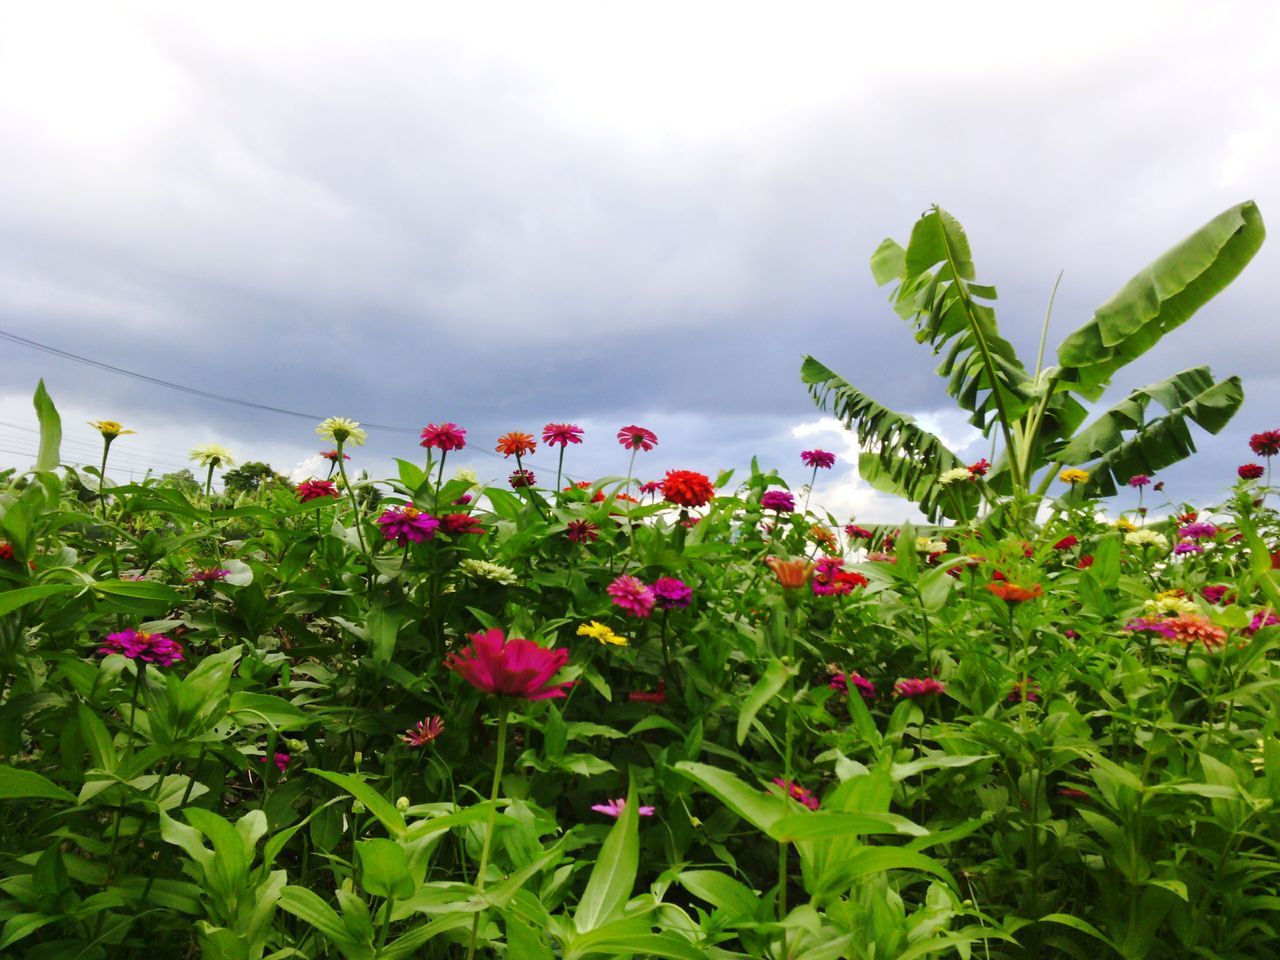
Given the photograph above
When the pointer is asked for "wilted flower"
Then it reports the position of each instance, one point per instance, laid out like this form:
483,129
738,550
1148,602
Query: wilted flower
512,667
614,808
799,793
1265,444
484,570
1250,471
671,593
637,438
598,631
407,523
423,732
582,531
1146,538
1073,476
632,596
109,429
516,444
956,475
561,434
212,455
443,437
918,687
1139,480
687,488
148,647
341,430
780,500
315,489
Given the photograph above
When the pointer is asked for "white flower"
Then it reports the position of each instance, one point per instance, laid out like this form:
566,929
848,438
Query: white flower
484,570
955,475
1147,538
926,545
212,455
342,430
467,474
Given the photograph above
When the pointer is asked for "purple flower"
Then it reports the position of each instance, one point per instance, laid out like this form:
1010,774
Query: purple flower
632,596
841,681
1188,546
148,647
780,500
614,808
671,593
281,761
407,523
1198,531
1258,622
1148,625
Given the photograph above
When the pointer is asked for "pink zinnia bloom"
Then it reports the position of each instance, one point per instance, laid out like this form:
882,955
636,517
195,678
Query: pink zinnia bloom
918,687
797,792
1258,622
858,533
1188,546
1148,625
841,682
561,434
671,593
522,478
407,523
637,438
614,808
818,458
423,732
512,667
582,531
1198,531
281,761
1139,480
315,489
632,596
1265,444
1250,471
1214,593
148,647
443,437
780,500
207,575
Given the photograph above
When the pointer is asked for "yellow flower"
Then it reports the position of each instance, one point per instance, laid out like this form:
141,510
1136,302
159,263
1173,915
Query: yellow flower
599,631
467,474
109,429
1168,604
954,475
212,455
1073,476
1147,538
342,430
1124,526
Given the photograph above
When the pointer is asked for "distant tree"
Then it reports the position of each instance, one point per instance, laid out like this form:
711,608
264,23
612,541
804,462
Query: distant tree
250,476
183,479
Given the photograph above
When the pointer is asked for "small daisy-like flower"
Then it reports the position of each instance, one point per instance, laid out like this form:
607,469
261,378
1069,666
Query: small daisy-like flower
484,570
516,444
443,437
561,434
818,458
614,808
582,531
956,475
109,429
1073,476
598,631
651,486
342,430
212,455
423,732
632,596
637,438
316,489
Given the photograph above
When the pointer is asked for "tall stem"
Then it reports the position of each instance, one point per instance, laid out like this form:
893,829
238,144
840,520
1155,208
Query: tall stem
355,503
809,492
208,480
493,818
102,475
559,471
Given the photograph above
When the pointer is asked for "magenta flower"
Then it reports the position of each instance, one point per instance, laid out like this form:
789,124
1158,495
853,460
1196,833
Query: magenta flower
309,490
407,523
1259,621
1149,625
797,792
561,434
1027,690
281,761
841,681
443,437
671,593
208,575
918,687
522,478
1214,593
1198,531
145,647
780,500
614,808
855,532
423,732
1139,480
1188,546
818,458
333,456
637,438
632,596
512,667
652,486
582,531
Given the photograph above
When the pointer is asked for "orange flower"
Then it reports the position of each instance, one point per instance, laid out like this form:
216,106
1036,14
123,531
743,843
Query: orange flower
791,574
1188,628
1012,593
825,537
516,443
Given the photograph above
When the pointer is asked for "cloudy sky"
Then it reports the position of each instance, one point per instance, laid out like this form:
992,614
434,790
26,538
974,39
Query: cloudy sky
505,214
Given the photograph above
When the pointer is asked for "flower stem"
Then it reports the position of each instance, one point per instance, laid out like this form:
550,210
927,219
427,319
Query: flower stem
559,471
493,819
208,480
355,503
809,492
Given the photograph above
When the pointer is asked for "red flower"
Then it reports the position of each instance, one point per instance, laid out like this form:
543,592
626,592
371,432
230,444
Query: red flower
510,668
582,531
646,696
443,437
333,456
1086,561
1265,444
1012,593
858,533
522,478
687,488
1250,471
6,551
637,438
980,468
918,687
516,444
1066,543
818,458
315,489
652,486
561,434
597,497
456,524
799,793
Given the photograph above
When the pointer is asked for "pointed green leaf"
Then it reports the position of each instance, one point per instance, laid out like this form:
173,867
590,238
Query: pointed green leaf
49,455
765,689
613,876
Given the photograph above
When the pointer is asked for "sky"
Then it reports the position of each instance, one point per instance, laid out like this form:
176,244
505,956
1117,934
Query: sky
504,214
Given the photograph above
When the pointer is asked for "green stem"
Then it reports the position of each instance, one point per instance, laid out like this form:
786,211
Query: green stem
809,492
493,819
208,480
559,470
355,505
385,926
102,476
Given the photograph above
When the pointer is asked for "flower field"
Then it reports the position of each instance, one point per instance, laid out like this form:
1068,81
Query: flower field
416,717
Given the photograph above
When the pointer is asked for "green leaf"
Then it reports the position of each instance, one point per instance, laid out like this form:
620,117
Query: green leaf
1083,926
306,906
613,876
275,712
765,689
12,600
139,590
758,808
384,869
49,455
18,784
722,891
828,826
375,802
1161,297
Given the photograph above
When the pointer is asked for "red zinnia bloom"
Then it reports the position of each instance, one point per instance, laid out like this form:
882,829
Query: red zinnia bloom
1086,561
333,455
522,478
687,488
516,444
1265,444
423,732
561,434
512,667
6,551
443,437
1250,471
456,524
582,531
1012,593
922,687
315,489
858,533
818,458
647,696
637,438
1139,480
632,596
1066,543
652,486
980,468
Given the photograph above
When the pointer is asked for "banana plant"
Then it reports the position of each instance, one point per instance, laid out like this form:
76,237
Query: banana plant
1039,414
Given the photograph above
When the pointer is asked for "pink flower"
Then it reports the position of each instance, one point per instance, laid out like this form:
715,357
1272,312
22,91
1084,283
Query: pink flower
637,438
423,732
841,682
333,456
309,490
561,434
1259,621
779,500
208,575
1139,480
147,647
510,668
671,593
652,486
1198,531
443,437
632,596
1145,624
818,458
407,523
281,761
918,687
1214,593
614,808
797,792
855,532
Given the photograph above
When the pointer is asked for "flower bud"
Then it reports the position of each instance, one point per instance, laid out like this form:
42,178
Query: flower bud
402,804
358,758
357,807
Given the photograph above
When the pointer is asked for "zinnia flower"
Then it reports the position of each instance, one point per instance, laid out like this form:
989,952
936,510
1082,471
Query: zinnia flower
687,488
1169,603
208,575
423,732
456,524
1012,593
1265,444
561,434
6,551
955,475
980,468
598,631
1214,593
1259,621
512,667
1139,480
1187,628
799,793
148,647
1250,471
858,533
1146,538
1073,476
582,531
516,444
791,574
651,486
830,578
281,760
407,523
780,500
818,458
1021,690
212,455
841,681
671,593
1198,531
614,808
920,687
1066,543
522,478
443,437
637,438
1183,547
341,430
333,456
658,696
315,489
1125,525
1150,625
632,596
109,429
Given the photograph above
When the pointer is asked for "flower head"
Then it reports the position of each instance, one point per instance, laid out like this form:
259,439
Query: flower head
1066,543
1265,444
856,532
315,489
1187,628
956,475
830,578
466,475
341,430
512,667
561,434
1012,593
658,696
1214,593
456,524
798,793
778,500
443,437
598,631
522,478
1169,603
109,429
671,593
1073,476
1183,547
637,438
281,760
1198,531
632,596
918,687
582,531
423,732
791,574
980,468
1250,471
1021,690
1261,620
208,575
1139,480
842,681
148,647
1146,538
407,523
6,551
212,455
516,444
333,456
651,486
687,488
484,570
818,458
614,808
